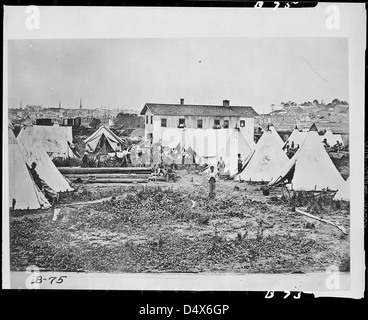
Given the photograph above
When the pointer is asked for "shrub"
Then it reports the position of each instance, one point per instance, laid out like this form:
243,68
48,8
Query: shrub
204,218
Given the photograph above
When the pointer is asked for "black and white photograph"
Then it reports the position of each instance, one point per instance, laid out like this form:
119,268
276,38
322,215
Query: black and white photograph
188,160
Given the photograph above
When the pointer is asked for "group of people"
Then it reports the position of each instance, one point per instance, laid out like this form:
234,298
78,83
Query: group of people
90,160
166,170
291,149
337,147
213,175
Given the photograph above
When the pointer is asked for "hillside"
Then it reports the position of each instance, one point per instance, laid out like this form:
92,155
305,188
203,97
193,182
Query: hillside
333,115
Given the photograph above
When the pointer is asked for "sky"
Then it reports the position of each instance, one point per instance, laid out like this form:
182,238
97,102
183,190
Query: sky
127,73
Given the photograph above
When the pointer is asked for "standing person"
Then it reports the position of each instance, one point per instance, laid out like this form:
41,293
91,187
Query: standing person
221,166
212,182
97,159
85,160
170,173
183,154
49,193
240,163
326,145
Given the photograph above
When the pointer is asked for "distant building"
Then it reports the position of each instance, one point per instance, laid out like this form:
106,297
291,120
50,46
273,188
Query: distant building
182,115
44,122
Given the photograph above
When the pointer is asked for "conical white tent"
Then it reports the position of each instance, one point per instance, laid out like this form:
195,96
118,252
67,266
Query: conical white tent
267,158
55,139
277,136
332,138
297,137
22,188
310,168
113,140
344,192
33,151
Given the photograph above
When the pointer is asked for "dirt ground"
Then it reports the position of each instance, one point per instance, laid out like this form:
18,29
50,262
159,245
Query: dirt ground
175,227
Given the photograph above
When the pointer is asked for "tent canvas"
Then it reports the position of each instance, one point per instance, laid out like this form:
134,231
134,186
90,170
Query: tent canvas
268,158
297,137
277,136
22,188
55,139
113,140
310,168
237,143
33,151
344,192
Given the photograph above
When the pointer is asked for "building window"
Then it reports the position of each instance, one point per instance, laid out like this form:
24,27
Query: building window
163,122
147,119
242,123
151,119
226,123
200,123
181,122
216,124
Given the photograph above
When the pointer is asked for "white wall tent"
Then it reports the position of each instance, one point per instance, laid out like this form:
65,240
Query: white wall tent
21,185
267,158
332,138
33,151
344,192
310,168
55,139
112,139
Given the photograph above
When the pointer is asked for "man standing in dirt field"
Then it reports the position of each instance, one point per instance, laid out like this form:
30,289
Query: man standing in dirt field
221,167
240,163
212,182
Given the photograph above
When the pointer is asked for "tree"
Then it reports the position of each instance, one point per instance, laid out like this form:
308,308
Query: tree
315,102
335,101
94,122
129,120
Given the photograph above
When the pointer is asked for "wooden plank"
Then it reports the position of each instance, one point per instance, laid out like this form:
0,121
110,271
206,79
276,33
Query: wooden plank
114,180
94,170
322,220
106,176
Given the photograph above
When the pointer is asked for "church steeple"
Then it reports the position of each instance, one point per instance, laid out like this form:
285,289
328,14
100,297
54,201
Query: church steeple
59,104
80,104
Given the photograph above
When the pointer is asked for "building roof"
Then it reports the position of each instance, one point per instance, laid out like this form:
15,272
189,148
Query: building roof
276,112
199,110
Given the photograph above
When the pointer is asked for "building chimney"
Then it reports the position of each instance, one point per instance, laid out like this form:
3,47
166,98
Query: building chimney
226,103
182,101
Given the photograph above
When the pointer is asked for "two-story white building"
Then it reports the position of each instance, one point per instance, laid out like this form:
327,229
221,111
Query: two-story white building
158,116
